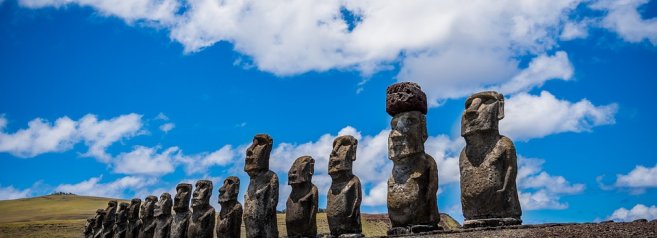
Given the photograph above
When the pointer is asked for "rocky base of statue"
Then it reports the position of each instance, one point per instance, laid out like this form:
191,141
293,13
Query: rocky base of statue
491,222
414,229
355,235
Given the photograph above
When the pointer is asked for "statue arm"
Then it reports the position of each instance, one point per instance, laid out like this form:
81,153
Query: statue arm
358,193
511,162
273,186
315,199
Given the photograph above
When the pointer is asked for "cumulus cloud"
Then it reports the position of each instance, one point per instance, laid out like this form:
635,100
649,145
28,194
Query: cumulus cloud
574,30
639,211
166,127
528,116
624,18
8,193
539,190
637,180
42,136
113,189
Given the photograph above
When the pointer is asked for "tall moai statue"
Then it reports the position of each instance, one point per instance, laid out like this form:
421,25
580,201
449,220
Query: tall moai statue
98,225
230,216
89,227
301,206
181,207
412,188
261,196
121,224
134,225
488,165
202,221
110,218
345,194
147,217
163,216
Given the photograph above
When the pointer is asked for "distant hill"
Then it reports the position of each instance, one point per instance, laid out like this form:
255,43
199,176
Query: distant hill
64,216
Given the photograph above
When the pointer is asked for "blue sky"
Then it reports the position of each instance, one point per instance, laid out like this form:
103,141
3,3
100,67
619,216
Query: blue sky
129,98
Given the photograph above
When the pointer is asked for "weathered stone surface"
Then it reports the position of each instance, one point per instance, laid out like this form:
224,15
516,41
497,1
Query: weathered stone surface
301,206
488,165
110,218
134,225
405,97
121,224
147,217
345,194
89,227
98,225
412,188
202,221
261,197
230,216
163,216
183,214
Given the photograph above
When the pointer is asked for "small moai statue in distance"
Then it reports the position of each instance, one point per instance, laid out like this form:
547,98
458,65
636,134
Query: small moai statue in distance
412,188
345,194
230,216
147,218
261,197
134,225
121,224
301,206
98,225
202,221
89,227
488,165
183,214
163,216
110,218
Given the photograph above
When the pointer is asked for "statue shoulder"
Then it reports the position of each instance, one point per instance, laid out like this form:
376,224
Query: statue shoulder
507,143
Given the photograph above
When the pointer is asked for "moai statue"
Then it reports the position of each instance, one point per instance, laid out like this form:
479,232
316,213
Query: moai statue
181,206
134,225
230,216
89,227
345,195
201,223
121,225
147,218
412,188
261,197
110,218
301,206
488,165
163,216
98,225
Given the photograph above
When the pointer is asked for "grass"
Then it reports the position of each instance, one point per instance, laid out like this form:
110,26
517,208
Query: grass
65,216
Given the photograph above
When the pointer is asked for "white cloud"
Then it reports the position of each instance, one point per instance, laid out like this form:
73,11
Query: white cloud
639,211
574,30
377,195
8,193
162,117
639,178
166,127
145,160
160,11
42,136
528,116
623,18
113,189
540,69
539,190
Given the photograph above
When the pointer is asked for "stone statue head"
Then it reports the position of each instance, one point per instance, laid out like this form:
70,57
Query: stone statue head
133,209
148,206
483,111
343,155
100,216
302,171
183,194
409,132
111,205
257,155
163,206
121,214
202,193
230,189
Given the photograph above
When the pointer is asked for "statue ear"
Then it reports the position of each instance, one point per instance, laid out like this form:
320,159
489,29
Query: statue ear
500,112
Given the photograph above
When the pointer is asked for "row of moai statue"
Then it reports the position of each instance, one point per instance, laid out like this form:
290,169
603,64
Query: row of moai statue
487,165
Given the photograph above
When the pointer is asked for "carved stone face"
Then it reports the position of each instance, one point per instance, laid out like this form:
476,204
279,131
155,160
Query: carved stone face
230,189
183,194
343,155
100,215
202,194
483,111
148,206
409,131
121,214
163,206
257,155
302,170
133,209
